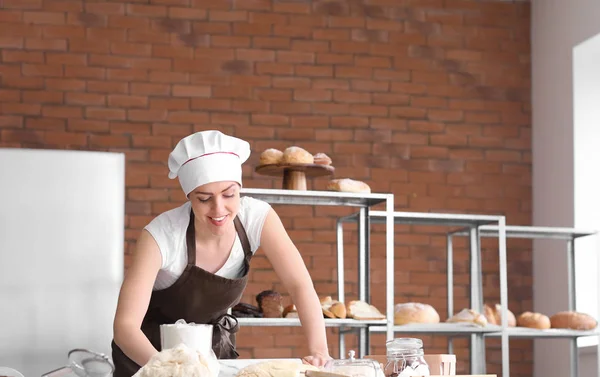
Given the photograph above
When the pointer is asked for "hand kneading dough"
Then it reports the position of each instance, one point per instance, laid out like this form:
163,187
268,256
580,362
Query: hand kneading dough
297,155
271,156
275,368
348,185
180,361
414,312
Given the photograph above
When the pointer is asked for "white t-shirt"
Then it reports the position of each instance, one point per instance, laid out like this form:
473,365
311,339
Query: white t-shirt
169,230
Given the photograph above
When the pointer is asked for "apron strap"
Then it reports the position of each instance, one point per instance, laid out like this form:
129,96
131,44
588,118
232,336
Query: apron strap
191,243
243,237
190,239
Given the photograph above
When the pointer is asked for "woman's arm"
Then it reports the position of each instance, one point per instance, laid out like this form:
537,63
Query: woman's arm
134,299
290,267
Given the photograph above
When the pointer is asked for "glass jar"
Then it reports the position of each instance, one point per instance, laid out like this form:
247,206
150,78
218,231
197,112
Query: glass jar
405,358
353,367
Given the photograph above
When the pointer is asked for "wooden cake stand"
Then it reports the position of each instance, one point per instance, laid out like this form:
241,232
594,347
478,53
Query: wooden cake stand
294,176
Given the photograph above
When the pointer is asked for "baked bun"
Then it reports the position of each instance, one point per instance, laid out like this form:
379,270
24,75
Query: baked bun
468,316
533,320
269,303
493,314
322,159
348,185
361,310
332,308
290,311
573,320
271,156
297,155
413,312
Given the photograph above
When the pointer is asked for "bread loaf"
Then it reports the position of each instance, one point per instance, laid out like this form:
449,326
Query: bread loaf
322,159
348,185
296,155
413,312
468,316
533,320
269,303
361,310
332,308
493,314
573,320
271,156
290,311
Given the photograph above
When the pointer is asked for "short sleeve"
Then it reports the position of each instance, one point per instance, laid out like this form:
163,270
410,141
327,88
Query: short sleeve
166,229
253,213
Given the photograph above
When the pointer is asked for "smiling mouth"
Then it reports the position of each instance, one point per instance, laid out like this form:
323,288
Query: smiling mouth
218,218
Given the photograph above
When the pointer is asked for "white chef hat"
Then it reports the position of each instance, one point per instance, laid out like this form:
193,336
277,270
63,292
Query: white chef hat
207,156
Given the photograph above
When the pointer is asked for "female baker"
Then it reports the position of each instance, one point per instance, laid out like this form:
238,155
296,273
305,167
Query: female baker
192,262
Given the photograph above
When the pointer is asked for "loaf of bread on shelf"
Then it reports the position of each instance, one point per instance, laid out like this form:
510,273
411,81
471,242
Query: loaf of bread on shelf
468,316
493,314
269,303
333,308
322,159
296,155
361,310
243,310
271,156
415,312
533,320
290,311
573,320
348,185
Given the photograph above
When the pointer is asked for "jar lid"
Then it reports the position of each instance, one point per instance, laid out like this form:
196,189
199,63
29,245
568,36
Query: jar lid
403,345
332,365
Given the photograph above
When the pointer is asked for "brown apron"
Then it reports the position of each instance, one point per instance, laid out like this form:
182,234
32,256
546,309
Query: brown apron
197,296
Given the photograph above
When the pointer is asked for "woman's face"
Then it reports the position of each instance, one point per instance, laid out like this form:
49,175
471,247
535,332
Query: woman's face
215,205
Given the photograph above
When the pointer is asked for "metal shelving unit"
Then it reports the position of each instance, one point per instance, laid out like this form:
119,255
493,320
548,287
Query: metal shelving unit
363,202
474,224
569,235
295,322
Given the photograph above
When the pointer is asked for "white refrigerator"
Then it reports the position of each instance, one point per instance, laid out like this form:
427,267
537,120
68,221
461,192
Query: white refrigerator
62,218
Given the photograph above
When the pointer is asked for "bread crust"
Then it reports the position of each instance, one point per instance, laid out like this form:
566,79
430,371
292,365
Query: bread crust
333,308
322,159
573,320
414,312
468,316
348,185
361,310
290,311
296,155
269,303
493,314
533,320
271,156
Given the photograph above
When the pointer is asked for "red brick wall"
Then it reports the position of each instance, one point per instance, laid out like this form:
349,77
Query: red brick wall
426,99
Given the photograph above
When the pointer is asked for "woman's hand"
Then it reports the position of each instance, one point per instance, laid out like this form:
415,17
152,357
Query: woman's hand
318,359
